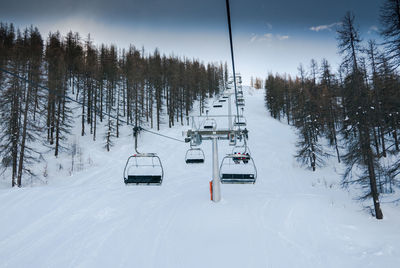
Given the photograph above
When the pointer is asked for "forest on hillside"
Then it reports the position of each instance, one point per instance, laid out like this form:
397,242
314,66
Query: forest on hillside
356,109
46,86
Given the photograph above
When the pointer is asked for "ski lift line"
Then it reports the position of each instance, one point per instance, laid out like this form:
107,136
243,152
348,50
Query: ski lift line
162,135
212,116
232,56
80,103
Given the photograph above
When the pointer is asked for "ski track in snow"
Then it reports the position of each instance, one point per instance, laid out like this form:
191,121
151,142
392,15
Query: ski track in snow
287,219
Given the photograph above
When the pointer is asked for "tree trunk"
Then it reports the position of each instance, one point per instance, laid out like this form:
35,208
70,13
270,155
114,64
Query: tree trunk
369,157
15,134
23,141
382,135
58,127
376,142
83,114
396,140
374,189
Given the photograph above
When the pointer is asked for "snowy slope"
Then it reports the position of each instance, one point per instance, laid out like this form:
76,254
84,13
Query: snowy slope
290,218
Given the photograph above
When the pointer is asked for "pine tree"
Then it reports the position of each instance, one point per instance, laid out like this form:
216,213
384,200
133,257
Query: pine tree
357,128
329,106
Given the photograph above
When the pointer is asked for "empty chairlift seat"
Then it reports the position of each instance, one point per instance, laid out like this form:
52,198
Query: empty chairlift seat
238,168
240,121
210,123
217,104
194,156
143,169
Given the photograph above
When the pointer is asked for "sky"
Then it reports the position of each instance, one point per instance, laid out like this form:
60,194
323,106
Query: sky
272,36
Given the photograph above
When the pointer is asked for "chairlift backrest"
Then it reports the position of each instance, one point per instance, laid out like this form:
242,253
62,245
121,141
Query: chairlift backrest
242,149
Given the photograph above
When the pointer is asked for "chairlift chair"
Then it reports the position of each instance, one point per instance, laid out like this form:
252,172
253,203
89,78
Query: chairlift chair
194,156
240,102
143,169
240,121
237,169
222,100
210,123
217,105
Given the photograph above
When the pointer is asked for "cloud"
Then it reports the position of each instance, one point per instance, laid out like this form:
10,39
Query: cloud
282,37
373,29
269,26
324,27
253,38
268,37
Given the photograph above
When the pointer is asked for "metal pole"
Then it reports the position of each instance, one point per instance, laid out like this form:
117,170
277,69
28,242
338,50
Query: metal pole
216,183
230,112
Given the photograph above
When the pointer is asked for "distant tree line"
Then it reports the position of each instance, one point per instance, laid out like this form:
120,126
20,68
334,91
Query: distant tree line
112,86
356,110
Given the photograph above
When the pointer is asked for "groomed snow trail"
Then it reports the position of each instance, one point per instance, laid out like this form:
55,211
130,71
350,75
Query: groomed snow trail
290,218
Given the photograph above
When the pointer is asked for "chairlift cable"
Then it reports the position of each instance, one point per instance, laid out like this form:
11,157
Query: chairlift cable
162,135
232,56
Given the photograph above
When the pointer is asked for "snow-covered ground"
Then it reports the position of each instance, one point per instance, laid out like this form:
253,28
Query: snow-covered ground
291,217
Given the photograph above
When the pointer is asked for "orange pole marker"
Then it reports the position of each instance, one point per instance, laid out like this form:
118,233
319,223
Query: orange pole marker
211,191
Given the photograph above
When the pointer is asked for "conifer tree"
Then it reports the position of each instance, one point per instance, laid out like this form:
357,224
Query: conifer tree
357,128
